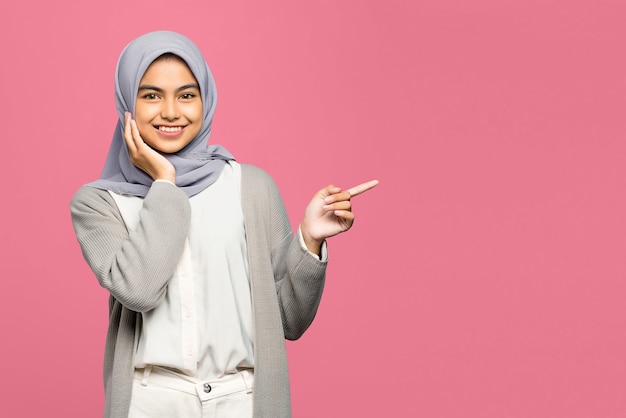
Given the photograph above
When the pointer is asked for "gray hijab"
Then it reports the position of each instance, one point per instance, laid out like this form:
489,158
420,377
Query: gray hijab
198,165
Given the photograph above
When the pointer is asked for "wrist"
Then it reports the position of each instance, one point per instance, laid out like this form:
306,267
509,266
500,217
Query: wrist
314,245
167,175
164,178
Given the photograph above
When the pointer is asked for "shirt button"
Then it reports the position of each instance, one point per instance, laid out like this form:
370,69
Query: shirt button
189,352
207,388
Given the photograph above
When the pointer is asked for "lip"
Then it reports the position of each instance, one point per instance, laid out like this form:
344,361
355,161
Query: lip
170,134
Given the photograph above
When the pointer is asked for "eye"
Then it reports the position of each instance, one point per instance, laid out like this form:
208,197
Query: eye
149,96
187,96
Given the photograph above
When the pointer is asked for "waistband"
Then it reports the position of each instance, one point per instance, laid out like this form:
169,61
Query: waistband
204,389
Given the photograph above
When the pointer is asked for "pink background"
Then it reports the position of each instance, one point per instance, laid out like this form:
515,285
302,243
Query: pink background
485,275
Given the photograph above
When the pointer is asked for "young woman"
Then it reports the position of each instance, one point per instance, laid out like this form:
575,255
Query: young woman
205,275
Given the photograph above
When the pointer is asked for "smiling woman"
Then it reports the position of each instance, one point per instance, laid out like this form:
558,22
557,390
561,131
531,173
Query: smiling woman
168,110
206,277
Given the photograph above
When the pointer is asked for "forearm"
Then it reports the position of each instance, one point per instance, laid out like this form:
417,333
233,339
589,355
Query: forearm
300,291
298,274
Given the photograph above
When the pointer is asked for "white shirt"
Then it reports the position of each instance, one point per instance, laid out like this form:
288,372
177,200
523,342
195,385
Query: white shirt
203,327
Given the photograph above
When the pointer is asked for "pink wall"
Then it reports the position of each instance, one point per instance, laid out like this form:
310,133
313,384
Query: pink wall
485,276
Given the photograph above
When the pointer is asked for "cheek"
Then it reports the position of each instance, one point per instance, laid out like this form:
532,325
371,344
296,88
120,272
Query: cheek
142,116
196,130
144,128
198,113
197,116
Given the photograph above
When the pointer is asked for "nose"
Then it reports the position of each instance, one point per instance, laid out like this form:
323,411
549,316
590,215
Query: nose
170,110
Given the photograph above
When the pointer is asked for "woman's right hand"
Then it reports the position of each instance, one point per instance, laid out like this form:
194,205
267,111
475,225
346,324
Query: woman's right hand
143,156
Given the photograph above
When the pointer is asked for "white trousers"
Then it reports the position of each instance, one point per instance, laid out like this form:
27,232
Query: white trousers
161,393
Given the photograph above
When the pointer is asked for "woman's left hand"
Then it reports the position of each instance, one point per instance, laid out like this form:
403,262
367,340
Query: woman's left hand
329,213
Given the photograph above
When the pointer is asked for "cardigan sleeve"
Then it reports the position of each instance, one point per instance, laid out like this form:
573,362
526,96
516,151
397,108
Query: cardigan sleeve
299,275
300,289
134,267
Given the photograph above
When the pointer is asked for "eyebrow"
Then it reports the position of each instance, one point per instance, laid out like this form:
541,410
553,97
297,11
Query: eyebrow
160,90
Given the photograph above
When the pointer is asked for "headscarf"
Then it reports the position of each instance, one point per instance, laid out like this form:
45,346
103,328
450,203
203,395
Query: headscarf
198,165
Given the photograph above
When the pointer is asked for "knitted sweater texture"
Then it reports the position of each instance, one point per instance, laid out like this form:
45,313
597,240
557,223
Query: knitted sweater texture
286,281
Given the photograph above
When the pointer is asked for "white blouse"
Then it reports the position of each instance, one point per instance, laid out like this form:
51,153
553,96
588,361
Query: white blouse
203,327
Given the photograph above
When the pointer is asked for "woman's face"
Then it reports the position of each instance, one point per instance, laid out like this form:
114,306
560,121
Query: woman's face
168,110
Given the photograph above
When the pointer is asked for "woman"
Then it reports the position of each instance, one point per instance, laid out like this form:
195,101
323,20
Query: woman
205,275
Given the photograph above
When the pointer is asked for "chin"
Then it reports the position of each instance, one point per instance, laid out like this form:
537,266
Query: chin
168,148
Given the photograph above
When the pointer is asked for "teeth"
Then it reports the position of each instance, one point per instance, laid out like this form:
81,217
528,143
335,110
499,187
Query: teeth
170,129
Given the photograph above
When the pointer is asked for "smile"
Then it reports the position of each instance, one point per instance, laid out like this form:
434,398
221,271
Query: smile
170,129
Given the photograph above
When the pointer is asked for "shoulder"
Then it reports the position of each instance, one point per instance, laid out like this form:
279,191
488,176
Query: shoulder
258,187
252,171
90,196
255,177
92,208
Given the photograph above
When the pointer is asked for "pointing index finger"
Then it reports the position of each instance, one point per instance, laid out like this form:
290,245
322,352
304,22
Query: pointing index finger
362,188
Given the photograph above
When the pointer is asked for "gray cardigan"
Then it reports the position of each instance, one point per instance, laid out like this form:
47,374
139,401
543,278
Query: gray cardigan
286,281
